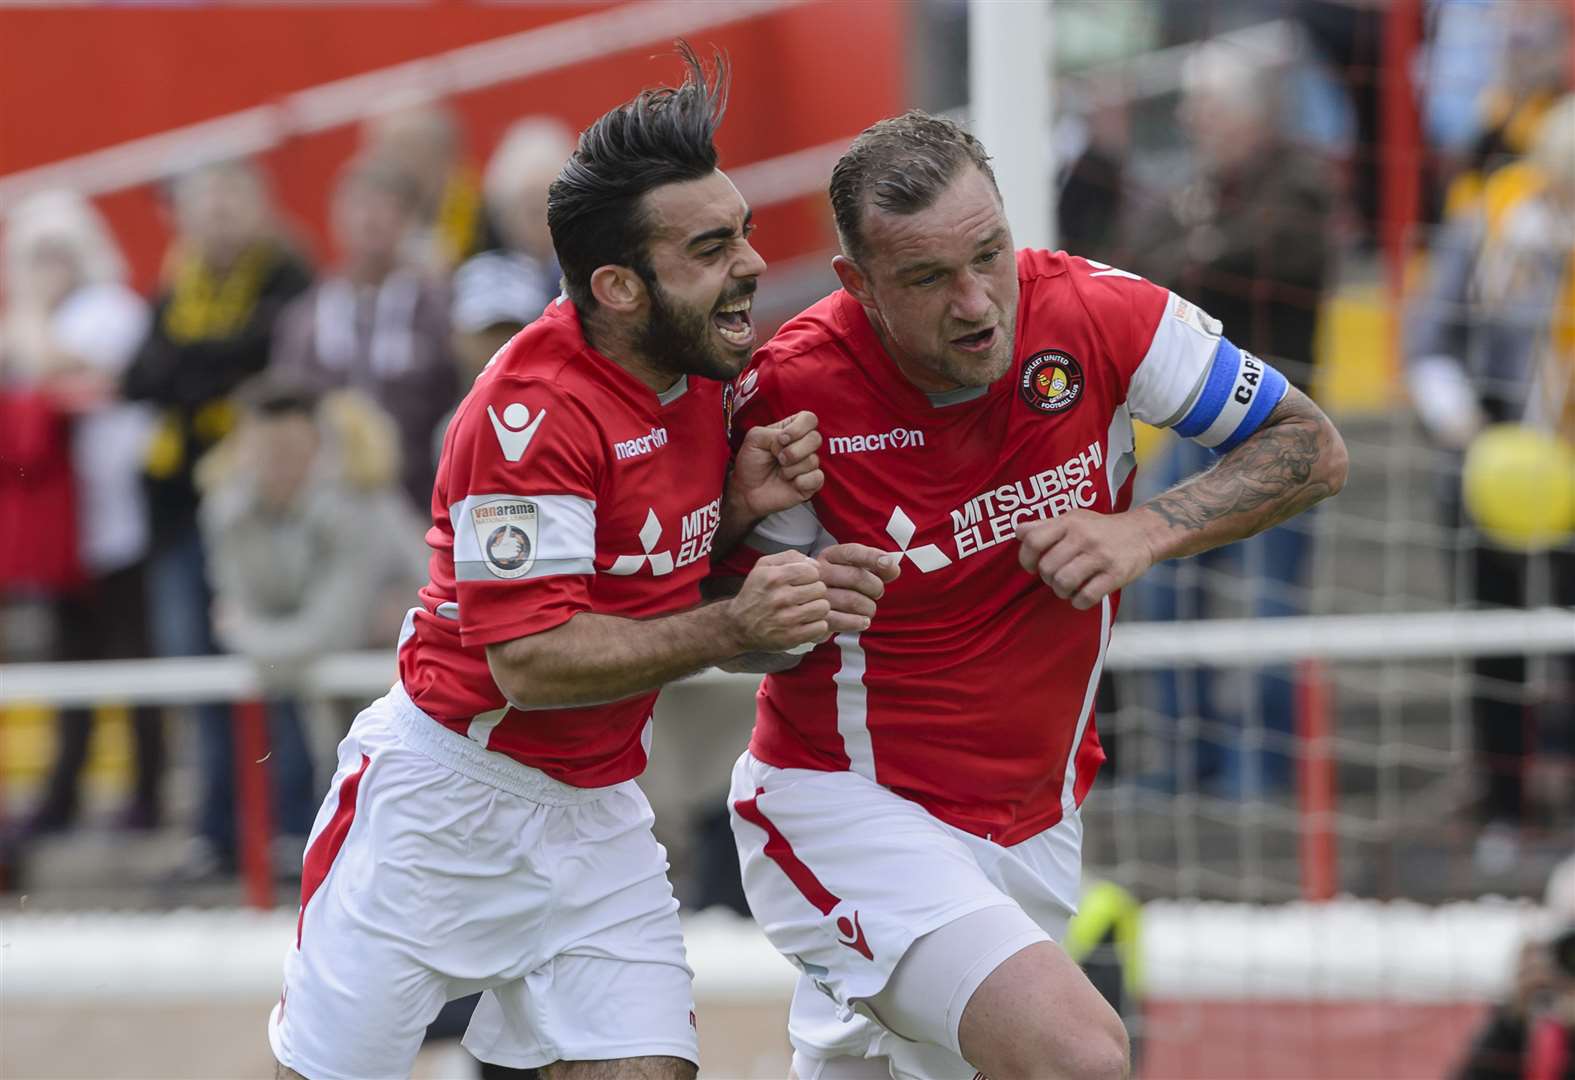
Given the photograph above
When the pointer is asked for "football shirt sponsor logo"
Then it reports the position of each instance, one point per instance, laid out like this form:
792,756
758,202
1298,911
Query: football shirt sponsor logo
991,517
507,530
926,557
660,562
698,532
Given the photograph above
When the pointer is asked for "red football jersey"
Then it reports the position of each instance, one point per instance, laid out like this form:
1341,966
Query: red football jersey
972,692
565,485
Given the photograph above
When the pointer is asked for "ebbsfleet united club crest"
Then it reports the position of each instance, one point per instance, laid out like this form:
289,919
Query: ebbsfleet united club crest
1051,382
506,530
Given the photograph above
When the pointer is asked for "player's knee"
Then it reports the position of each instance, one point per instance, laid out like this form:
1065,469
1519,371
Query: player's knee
640,1068
284,1072
1096,1052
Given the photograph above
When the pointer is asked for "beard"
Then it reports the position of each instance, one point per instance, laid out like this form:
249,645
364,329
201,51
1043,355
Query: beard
960,369
680,339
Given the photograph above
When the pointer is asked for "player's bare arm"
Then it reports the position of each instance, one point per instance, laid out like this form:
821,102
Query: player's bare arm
1296,460
592,659
855,576
776,468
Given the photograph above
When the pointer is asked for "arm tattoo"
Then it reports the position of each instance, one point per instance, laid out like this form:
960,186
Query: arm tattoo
1268,478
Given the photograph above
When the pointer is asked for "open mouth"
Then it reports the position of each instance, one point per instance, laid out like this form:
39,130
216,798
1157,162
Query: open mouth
733,323
977,342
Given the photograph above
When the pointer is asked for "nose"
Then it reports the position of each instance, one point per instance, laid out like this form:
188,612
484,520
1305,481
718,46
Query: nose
970,303
749,262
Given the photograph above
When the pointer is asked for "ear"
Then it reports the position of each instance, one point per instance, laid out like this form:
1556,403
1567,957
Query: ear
853,280
618,288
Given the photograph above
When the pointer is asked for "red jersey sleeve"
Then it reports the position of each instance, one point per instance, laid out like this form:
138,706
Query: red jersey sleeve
521,474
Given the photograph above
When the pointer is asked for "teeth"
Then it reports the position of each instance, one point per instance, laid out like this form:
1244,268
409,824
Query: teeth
738,305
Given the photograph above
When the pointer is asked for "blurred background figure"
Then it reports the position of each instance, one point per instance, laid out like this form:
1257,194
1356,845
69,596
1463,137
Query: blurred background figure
495,294
1530,42
1491,340
519,172
376,325
1248,240
1530,1035
423,142
315,550
70,326
227,276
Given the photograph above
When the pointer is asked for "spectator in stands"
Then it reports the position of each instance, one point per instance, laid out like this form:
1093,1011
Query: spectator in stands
1530,1035
71,326
498,291
495,295
1248,241
226,279
376,325
314,550
1533,72
1492,339
422,141
526,161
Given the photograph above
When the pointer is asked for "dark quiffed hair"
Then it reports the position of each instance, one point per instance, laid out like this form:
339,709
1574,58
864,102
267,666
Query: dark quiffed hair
663,136
901,165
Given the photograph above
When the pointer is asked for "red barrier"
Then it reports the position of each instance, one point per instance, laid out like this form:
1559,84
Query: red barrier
253,802
1303,1040
1400,140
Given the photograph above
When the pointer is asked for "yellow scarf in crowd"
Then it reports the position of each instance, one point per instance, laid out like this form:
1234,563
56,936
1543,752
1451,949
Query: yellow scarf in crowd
204,305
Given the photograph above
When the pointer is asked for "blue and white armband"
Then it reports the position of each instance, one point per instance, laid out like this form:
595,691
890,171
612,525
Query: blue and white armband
1236,397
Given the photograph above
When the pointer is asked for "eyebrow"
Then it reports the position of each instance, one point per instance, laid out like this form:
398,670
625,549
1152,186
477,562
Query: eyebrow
996,235
725,232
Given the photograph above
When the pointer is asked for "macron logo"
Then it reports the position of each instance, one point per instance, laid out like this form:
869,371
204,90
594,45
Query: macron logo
642,444
515,429
895,439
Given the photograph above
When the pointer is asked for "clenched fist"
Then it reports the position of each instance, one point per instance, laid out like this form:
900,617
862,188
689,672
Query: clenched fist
777,466
1085,556
781,605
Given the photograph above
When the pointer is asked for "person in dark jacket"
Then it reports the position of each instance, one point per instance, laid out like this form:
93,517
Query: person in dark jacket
228,275
1247,240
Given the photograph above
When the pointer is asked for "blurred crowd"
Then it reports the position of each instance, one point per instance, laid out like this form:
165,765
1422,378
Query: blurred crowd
243,462
1256,195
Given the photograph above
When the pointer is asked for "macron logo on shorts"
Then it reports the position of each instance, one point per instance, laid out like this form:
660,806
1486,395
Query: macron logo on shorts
515,429
851,934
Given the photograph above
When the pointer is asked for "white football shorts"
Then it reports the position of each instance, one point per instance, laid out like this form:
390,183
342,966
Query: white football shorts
844,875
437,868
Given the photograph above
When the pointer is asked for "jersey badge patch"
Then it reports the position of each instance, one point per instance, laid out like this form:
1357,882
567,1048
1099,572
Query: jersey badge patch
1197,318
507,531
1051,382
515,429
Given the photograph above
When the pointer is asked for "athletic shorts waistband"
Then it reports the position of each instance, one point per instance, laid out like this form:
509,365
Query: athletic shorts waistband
419,731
